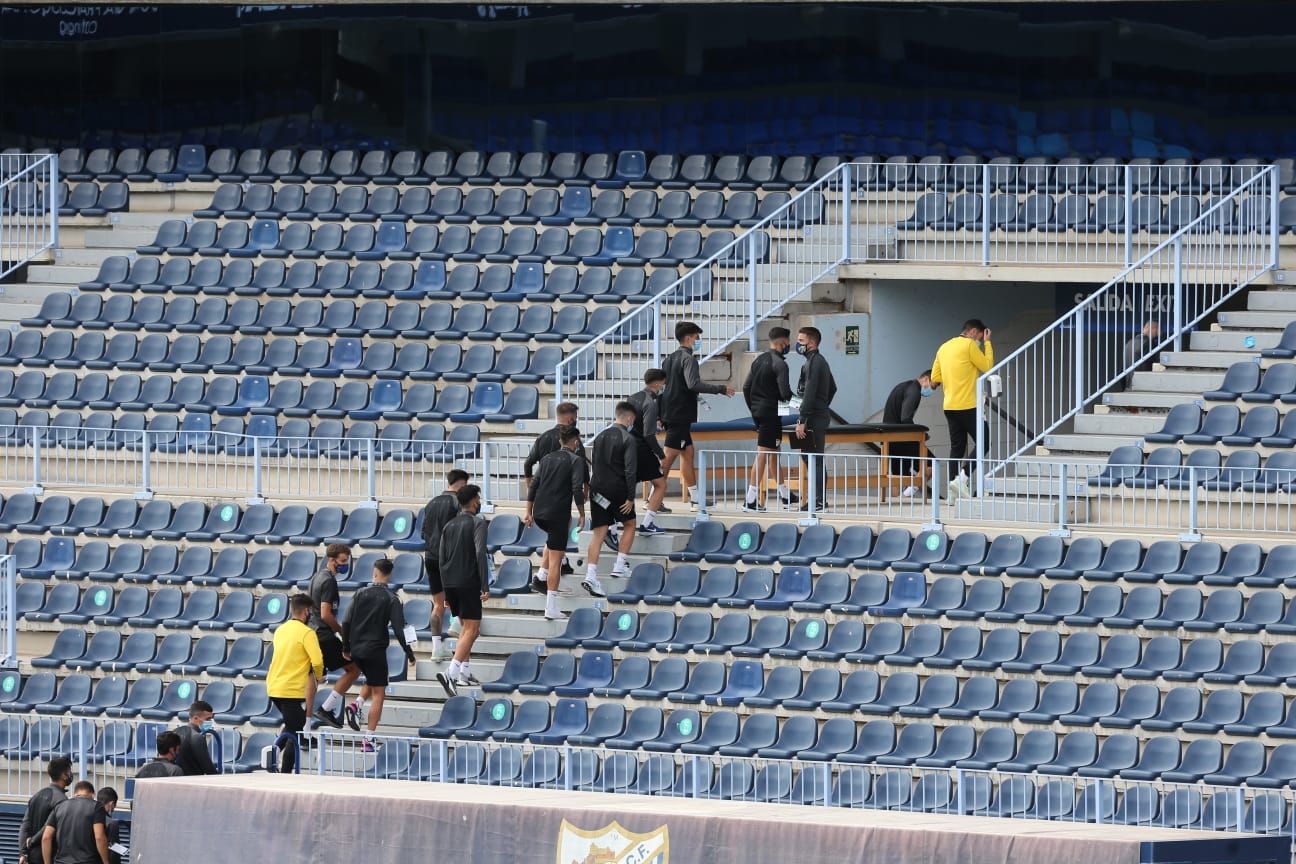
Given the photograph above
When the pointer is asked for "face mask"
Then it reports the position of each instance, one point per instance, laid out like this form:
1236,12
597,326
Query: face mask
783,352
697,346
926,391
343,569
801,349
206,726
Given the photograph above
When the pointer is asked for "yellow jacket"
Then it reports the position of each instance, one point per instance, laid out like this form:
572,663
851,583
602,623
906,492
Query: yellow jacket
956,367
296,655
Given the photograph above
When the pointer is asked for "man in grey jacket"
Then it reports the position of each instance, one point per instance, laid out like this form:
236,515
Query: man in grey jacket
612,494
679,403
816,388
466,577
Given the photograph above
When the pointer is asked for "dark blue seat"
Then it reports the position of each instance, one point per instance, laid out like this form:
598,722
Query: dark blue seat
1241,378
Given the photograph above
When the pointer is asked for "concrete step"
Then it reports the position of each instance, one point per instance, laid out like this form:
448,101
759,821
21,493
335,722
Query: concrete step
1063,445
1273,300
1232,340
1145,399
120,238
652,545
64,274
1251,320
1041,486
30,292
1004,509
1188,383
1204,360
11,313
149,219
92,257
1118,424
1046,463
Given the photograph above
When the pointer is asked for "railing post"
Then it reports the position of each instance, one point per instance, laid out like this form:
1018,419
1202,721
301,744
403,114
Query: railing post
145,492
1098,815
753,291
51,199
257,496
1194,533
959,797
985,214
701,467
35,488
486,506
558,381
9,568
567,755
1079,358
371,499
1062,530
1274,228
935,523
655,306
827,783
848,204
82,754
979,442
1129,216
1178,294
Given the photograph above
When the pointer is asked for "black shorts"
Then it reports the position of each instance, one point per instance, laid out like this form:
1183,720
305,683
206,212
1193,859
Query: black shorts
432,566
374,669
601,517
679,436
465,603
331,648
649,465
769,432
556,533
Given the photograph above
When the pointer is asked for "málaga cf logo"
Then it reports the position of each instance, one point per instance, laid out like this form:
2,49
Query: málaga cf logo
611,844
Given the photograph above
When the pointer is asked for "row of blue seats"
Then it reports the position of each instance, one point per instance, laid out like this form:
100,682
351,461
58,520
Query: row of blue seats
192,521
744,683
620,245
196,433
1243,381
192,163
876,742
168,607
890,789
987,598
122,743
575,205
356,400
929,645
1040,212
1165,467
28,198
338,317
430,280
343,356
1226,424
974,553
147,698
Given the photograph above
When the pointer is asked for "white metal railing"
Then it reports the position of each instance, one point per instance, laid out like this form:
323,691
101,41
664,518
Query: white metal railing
728,293
28,207
8,611
1082,355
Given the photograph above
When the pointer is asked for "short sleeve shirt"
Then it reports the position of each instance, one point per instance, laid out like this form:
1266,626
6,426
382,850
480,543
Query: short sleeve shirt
323,589
73,821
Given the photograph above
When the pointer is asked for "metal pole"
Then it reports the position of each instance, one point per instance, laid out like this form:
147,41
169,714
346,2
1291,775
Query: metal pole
655,311
701,487
35,488
1193,532
848,197
1178,294
985,214
978,441
935,523
487,506
146,489
1129,213
257,496
1079,358
11,609
1062,530
51,199
753,313
567,760
558,381
371,500
1274,229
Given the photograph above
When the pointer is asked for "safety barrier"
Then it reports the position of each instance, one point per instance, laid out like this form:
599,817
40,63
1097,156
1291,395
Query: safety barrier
28,207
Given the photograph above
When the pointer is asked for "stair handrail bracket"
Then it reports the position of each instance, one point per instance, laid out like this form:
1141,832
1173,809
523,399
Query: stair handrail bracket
748,266
29,202
1097,346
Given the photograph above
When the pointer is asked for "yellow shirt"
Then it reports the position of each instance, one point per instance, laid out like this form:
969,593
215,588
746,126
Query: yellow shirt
296,654
958,363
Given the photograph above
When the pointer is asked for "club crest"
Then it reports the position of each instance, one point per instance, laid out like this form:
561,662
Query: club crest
611,844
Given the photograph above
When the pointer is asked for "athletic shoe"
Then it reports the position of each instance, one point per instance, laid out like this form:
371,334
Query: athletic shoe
619,574
567,568
446,683
959,488
611,542
538,585
593,587
352,714
650,529
909,492
558,615
790,499
754,507
441,655
662,509
327,717
466,679
455,627
368,746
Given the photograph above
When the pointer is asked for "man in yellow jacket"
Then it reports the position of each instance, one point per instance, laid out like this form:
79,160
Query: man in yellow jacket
957,365
297,664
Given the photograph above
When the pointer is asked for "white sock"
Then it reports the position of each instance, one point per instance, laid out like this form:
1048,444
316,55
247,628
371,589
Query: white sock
551,601
783,490
358,704
331,701
453,669
591,571
464,668
649,516
542,574
752,493
436,643
620,562
693,493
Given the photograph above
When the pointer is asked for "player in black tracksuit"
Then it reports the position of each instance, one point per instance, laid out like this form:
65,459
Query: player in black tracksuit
548,441
647,405
365,637
901,406
560,481
465,573
439,511
816,388
613,480
766,386
679,404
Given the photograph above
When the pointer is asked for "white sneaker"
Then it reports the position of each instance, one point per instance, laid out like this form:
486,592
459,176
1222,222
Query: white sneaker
555,615
592,585
455,628
909,492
